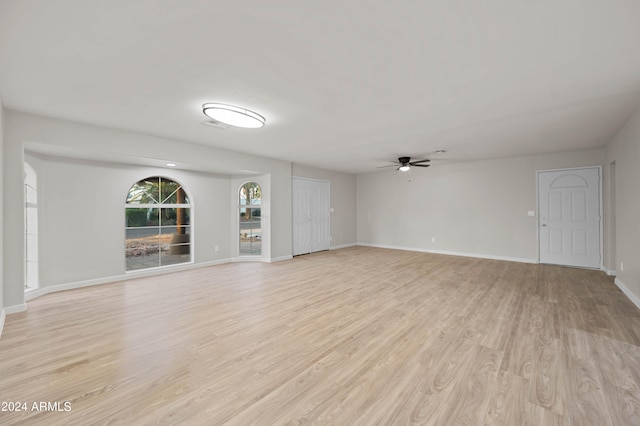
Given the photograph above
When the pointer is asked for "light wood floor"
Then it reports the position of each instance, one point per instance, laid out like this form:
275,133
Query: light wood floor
353,336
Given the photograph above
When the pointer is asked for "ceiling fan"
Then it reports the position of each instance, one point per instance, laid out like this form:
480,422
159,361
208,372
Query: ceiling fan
404,164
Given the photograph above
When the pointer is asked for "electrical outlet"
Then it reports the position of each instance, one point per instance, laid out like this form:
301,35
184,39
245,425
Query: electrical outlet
216,249
433,239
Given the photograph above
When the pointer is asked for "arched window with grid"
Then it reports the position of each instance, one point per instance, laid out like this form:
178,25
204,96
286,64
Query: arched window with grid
250,195
158,224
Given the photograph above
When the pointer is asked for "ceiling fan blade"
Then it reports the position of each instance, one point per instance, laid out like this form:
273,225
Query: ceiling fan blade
420,165
390,165
419,161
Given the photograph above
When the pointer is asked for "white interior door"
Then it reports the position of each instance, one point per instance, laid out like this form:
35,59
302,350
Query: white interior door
301,218
320,216
569,218
311,215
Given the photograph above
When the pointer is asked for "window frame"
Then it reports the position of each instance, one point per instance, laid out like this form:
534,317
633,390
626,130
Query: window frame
251,206
188,206
31,233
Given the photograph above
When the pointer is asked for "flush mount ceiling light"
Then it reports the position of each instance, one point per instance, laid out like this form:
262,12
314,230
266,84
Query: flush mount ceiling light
233,115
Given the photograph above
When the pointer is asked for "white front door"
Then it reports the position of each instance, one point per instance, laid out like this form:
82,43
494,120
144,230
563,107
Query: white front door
311,215
569,217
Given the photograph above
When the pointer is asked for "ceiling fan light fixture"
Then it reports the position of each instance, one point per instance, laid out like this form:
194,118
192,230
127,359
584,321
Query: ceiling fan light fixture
404,168
233,115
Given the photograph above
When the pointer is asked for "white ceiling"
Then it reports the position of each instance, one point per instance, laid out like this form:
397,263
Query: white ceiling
343,85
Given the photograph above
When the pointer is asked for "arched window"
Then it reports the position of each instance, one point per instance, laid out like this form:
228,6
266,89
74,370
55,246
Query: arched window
158,225
30,228
250,220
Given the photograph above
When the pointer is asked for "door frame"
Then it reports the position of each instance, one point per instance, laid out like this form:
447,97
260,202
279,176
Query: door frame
600,207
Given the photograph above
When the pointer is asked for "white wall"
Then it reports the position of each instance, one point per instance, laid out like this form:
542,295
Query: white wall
343,202
2,313
47,135
13,233
624,149
81,220
476,208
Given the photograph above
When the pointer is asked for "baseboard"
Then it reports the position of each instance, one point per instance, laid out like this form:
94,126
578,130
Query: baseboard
453,253
15,309
32,294
210,263
609,272
628,293
341,246
10,310
2,317
241,259
169,269
280,259
37,292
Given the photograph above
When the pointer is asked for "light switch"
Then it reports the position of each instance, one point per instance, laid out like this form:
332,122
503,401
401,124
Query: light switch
531,213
